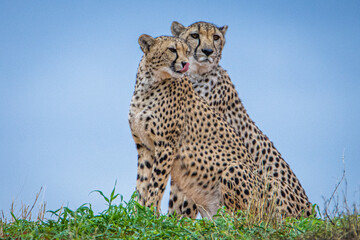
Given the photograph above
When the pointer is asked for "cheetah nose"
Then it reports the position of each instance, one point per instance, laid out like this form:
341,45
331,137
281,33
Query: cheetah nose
185,66
207,51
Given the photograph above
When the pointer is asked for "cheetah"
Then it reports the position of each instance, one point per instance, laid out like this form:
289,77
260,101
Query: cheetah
212,83
177,133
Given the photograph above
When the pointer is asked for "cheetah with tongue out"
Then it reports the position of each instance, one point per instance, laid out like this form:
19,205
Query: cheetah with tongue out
213,84
177,133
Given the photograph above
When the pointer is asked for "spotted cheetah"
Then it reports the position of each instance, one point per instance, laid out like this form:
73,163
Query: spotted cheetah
213,84
177,133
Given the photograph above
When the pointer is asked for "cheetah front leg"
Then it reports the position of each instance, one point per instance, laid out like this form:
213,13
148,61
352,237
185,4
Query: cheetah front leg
160,175
180,204
144,169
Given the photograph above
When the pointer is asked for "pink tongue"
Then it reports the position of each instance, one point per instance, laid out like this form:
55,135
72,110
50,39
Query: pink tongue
186,67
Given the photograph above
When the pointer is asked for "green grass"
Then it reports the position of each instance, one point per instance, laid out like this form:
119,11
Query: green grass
129,220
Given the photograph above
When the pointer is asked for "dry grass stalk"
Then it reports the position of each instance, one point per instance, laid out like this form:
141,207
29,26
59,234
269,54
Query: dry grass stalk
327,202
12,210
262,206
1,230
60,212
42,211
2,225
25,210
2,217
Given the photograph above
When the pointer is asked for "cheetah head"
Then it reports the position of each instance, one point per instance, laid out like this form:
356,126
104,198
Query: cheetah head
165,56
206,42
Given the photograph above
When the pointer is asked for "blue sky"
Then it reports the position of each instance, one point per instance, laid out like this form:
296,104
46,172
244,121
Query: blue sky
67,74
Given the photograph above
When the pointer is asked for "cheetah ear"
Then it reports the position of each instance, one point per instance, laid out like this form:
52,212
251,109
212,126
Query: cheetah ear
223,29
146,42
177,28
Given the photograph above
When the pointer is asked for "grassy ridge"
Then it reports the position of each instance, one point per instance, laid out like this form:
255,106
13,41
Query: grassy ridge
129,220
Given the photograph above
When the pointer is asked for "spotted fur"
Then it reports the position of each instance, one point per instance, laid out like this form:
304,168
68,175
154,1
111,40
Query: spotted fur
212,83
177,133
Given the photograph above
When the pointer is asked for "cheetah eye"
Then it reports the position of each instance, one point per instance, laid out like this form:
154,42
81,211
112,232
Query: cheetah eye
216,37
172,49
194,35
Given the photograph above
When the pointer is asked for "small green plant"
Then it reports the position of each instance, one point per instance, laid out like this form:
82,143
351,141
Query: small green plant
130,220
